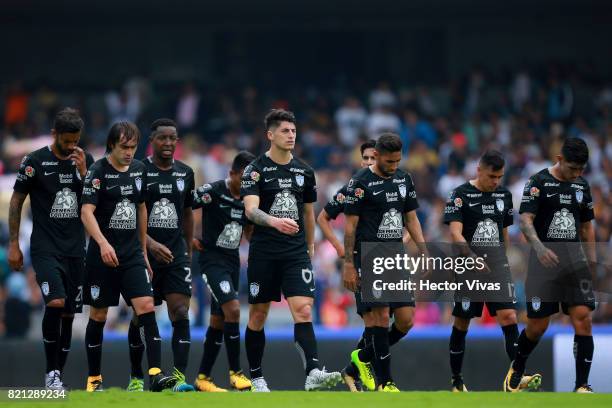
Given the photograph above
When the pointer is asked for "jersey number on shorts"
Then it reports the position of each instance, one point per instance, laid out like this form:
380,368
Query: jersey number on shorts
188,276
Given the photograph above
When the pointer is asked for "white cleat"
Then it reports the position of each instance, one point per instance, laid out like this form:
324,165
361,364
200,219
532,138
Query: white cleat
259,385
53,381
318,379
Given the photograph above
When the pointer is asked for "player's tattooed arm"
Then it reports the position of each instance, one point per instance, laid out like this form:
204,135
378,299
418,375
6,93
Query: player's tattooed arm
15,256
547,257
257,216
587,237
107,252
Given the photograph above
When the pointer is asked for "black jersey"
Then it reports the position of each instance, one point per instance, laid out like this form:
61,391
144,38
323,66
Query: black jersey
116,196
484,216
168,193
223,217
55,188
335,206
559,206
283,189
380,204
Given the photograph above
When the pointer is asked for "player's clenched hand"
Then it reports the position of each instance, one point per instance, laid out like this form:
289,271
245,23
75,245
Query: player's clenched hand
78,157
285,226
349,277
197,245
15,257
109,257
161,253
547,257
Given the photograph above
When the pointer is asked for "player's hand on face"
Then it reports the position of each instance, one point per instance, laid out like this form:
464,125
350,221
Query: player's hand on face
197,245
286,226
548,258
161,253
78,157
15,257
109,257
349,277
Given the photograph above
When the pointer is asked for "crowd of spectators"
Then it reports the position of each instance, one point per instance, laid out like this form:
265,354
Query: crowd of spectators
444,128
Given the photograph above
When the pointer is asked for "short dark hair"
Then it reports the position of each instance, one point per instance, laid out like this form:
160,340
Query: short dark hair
575,150
119,129
276,116
68,120
162,122
370,144
242,160
388,143
493,158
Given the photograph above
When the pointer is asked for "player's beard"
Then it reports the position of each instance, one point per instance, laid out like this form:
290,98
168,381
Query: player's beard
62,151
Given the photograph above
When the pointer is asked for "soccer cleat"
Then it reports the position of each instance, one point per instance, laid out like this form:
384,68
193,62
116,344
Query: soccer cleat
239,381
136,385
366,373
352,382
584,389
180,385
318,379
94,384
159,382
53,381
388,387
259,385
512,381
531,382
458,384
206,384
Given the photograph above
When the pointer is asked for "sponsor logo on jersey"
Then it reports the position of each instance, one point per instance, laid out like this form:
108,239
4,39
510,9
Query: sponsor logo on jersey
206,198
124,216
230,236
111,176
163,215
402,190
180,184
255,176
95,183
165,188
458,202
49,163
486,233
179,174
499,203
534,191
562,226
65,179
299,180
267,169
65,205
565,198
391,225
285,182
29,171
284,205
340,198
488,209
138,182
391,197
375,183
359,193
579,196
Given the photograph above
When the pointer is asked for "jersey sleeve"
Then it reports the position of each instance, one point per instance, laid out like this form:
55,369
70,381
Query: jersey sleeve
310,187
508,211
355,197
410,203
190,188
335,206
453,210
26,175
92,187
202,196
586,208
531,196
249,185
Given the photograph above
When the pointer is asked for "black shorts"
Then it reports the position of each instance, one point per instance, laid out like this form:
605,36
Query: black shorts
268,277
365,307
568,285
104,284
221,273
175,278
61,277
469,304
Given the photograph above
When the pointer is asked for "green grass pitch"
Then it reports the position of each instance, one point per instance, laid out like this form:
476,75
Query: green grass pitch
294,399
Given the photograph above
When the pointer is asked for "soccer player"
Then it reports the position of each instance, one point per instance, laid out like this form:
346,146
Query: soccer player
278,192
372,216
223,222
169,196
53,177
479,213
115,215
557,209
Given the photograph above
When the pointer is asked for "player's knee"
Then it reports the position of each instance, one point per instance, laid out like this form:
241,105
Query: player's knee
59,303
98,315
507,318
461,324
179,312
404,324
216,322
146,306
583,324
536,329
232,313
303,313
257,319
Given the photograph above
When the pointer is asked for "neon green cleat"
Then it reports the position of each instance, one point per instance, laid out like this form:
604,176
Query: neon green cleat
181,385
388,387
135,385
366,373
